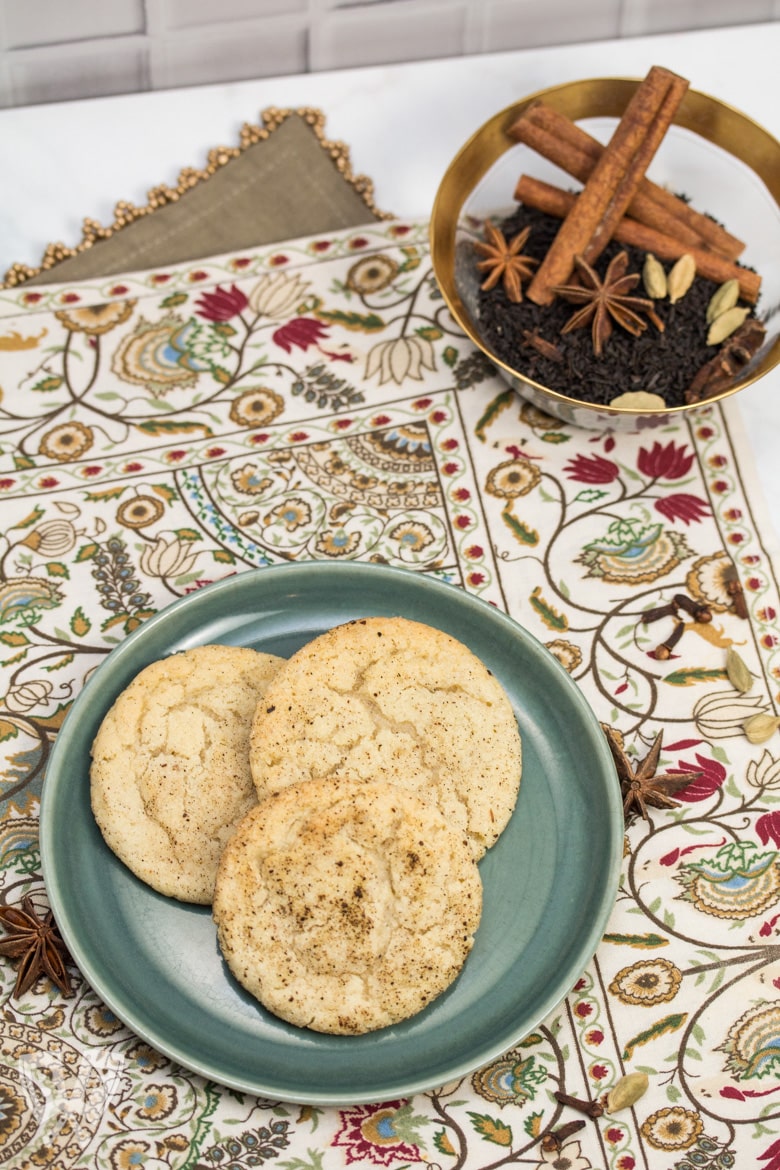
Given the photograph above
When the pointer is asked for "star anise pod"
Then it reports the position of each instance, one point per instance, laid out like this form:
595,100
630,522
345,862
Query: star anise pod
37,942
505,260
639,784
607,300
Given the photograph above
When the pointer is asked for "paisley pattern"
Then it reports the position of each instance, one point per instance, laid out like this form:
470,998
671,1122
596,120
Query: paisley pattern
313,399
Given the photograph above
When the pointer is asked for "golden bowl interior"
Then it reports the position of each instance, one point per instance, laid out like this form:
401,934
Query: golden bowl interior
725,163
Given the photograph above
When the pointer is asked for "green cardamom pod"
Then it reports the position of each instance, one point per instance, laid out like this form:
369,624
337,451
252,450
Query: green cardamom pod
654,277
681,277
626,1092
760,728
739,675
723,299
726,324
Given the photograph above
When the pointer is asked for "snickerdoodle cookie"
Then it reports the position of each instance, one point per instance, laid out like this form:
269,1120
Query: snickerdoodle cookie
345,906
386,698
170,771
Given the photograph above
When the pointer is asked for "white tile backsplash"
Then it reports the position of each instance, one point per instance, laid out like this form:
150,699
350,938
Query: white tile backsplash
53,50
230,53
656,16
50,22
398,30
176,14
84,69
524,24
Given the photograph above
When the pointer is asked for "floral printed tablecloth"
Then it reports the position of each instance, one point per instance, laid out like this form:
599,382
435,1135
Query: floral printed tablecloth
314,400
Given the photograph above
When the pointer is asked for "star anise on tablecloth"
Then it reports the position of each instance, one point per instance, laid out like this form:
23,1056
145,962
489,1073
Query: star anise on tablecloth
505,260
639,784
607,300
37,942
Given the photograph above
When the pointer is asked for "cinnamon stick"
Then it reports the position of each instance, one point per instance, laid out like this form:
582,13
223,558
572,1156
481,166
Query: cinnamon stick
613,181
562,142
555,201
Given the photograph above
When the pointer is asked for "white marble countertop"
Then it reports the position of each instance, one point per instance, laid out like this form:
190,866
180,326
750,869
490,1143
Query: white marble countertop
402,123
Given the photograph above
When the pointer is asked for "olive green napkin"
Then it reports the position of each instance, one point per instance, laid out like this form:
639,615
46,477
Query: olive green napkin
289,184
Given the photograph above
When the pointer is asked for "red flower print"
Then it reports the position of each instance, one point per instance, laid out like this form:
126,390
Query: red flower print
626,1162
599,1072
664,462
474,552
771,1156
381,420
199,275
462,521
48,481
277,261
358,242
320,245
592,469
614,1135
70,298
766,930
160,277
5,484
400,229
221,304
300,333
422,403
682,506
31,298
768,828
119,290
461,494
475,578
449,468
712,776
583,1010
439,416
369,1134
595,1036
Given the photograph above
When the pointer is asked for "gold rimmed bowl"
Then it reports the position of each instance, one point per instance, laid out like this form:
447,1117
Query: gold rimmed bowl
725,164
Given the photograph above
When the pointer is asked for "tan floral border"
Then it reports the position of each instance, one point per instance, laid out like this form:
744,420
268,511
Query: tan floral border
219,156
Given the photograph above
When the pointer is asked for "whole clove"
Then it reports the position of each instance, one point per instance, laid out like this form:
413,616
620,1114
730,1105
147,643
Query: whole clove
593,1109
699,612
553,1141
665,649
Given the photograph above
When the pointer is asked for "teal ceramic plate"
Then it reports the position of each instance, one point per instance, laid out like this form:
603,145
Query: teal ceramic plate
549,882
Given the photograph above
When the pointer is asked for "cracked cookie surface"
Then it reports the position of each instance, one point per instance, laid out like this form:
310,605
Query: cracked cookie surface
170,773
387,698
345,906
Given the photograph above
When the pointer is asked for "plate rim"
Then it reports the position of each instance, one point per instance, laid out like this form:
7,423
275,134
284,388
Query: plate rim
418,581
